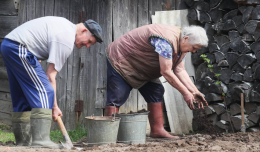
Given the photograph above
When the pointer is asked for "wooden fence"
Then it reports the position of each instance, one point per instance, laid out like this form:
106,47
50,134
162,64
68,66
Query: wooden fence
83,77
8,21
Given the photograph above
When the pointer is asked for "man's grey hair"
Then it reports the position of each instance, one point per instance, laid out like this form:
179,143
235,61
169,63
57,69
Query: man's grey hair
196,34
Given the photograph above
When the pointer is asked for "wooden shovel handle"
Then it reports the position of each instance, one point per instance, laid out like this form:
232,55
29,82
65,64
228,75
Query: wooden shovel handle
64,131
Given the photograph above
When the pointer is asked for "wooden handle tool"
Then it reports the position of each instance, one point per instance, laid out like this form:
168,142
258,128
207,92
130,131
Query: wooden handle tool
68,144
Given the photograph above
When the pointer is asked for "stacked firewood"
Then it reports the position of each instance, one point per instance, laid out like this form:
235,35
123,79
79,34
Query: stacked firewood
233,30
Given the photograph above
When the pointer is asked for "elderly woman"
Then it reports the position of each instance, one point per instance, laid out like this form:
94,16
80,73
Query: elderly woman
137,60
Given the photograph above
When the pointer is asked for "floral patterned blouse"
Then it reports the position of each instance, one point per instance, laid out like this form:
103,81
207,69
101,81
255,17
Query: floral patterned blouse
162,47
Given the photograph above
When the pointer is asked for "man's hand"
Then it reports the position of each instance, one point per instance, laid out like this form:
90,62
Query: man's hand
200,98
189,100
55,113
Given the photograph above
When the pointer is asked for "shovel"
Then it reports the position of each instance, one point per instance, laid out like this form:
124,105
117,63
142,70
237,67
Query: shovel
68,144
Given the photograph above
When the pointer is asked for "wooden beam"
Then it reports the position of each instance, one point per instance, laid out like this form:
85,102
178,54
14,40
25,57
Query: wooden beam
5,118
6,107
5,96
4,85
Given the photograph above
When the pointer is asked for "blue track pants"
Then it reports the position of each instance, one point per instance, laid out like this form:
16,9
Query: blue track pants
29,85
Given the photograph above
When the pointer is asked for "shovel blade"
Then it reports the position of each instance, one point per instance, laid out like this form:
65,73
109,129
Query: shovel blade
66,145
243,128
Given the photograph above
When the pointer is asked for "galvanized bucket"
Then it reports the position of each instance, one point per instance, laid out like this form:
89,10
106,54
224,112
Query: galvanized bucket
132,128
102,130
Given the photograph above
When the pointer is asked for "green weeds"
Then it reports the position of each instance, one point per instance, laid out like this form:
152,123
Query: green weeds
75,135
56,136
6,134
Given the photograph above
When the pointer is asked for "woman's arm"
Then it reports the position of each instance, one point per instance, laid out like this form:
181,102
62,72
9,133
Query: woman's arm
183,76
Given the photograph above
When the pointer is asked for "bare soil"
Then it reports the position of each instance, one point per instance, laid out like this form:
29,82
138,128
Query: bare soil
207,138
193,142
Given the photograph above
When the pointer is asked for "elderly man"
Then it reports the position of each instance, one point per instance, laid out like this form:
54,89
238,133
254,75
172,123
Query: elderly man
137,60
33,92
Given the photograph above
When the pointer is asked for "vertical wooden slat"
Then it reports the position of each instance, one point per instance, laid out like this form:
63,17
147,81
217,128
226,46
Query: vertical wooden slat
40,12
123,23
49,7
93,74
143,19
8,21
87,77
143,13
22,12
39,8
105,20
30,10
73,69
61,8
69,106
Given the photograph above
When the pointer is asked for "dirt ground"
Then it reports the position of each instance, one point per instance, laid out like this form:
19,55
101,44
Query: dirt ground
241,142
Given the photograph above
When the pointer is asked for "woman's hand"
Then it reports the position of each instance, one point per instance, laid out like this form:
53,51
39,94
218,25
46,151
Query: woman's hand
189,98
198,96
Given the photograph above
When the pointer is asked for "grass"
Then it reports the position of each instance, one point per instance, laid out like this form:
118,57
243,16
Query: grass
75,135
56,136
6,134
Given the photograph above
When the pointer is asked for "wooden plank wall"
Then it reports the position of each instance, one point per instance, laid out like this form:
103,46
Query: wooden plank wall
8,21
83,77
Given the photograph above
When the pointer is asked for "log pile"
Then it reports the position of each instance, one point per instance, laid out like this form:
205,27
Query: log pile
233,30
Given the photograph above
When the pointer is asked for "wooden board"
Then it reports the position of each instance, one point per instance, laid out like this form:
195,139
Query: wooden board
8,23
6,107
2,64
3,73
44,8
5,96
5,118
123,23
22,12
179,115
7,8
4,85
92,91
74,66
61,8
142,19
103,17
83,77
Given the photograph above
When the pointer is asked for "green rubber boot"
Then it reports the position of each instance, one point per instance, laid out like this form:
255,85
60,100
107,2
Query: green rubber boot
21,128
40,128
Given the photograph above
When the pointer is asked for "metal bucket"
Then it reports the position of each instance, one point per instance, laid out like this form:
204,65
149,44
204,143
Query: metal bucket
102,130
132,128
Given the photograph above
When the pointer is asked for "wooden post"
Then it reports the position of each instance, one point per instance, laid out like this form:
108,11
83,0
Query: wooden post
243,127
242,109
